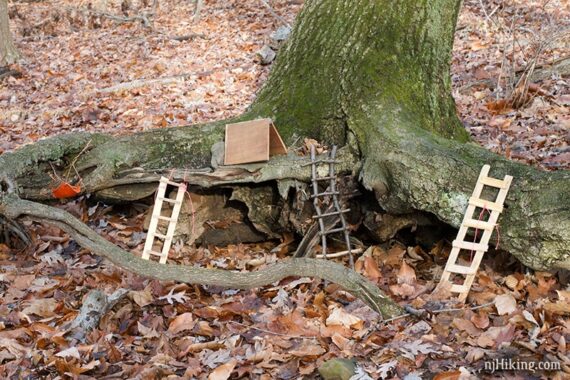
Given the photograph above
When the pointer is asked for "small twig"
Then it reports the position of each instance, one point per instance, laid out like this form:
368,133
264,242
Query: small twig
188,37
72,164
272,332
415,312
281,19
339,254
137,83
7,225
462,308
143,18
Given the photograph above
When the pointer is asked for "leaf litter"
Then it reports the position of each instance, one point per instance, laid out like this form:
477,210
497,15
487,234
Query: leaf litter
286,331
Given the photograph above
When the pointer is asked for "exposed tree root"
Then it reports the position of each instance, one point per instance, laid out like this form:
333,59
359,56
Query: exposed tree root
14,207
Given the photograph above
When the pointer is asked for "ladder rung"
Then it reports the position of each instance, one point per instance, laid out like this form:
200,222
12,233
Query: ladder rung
479,224
165,180
325,193
458,288
331,213
321,162
470,246
485,204
333,231
493,182
159,235
461,269
165,218
155,253
170,200
324,178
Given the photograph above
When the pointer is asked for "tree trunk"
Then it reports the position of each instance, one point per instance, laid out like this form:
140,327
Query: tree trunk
8,52
372,75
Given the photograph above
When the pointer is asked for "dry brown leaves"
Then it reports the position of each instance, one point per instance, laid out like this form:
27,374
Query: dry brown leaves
484,65
280,332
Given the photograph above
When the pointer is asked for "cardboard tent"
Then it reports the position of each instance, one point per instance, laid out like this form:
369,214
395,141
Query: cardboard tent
252,141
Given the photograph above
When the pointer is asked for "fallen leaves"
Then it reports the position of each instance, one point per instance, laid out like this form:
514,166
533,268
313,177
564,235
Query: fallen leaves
412,349
164,330
340,317
181,323
142,297
467,326
224,371
172,297
71,352
505,304
495,336
41,307
407,285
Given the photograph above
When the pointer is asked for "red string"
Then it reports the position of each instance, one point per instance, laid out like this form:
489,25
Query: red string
186,192
191,206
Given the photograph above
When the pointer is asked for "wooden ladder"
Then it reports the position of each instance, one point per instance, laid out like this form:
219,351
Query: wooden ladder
157,217
494,208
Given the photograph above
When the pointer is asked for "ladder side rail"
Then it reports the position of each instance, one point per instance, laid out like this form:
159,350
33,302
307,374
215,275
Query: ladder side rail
332,174
156,213
486,237
172,224
314,176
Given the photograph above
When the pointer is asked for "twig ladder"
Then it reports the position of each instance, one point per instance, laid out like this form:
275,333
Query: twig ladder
332,191
157,216
494,208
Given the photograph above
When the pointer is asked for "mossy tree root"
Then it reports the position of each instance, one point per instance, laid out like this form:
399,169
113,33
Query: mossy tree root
14,207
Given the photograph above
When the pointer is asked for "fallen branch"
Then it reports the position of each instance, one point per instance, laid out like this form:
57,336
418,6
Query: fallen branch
13,207
94,307
274,14
143,82
188,37
541,72
143,18
7,72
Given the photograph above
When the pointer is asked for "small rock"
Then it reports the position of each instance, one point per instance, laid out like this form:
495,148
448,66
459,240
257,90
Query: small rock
281,34
337,369
266,55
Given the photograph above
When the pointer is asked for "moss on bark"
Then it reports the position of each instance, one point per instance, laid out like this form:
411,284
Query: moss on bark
377,70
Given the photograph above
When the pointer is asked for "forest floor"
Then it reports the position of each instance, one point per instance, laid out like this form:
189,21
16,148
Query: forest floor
209,70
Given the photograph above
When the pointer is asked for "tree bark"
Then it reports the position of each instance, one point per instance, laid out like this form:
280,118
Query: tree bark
8,52
372,75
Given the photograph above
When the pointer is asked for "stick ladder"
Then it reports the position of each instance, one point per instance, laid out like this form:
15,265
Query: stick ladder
157,216
494,208
331,191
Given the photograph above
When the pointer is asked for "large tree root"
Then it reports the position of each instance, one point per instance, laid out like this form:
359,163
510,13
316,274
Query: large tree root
408,169
396,119
14,207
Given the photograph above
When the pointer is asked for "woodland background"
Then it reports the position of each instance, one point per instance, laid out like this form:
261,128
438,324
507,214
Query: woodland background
84,71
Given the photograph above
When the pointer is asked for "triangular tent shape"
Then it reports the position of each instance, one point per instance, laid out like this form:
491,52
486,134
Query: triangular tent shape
252,141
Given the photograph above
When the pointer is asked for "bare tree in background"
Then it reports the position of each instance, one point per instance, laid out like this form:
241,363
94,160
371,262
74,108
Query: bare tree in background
8,52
